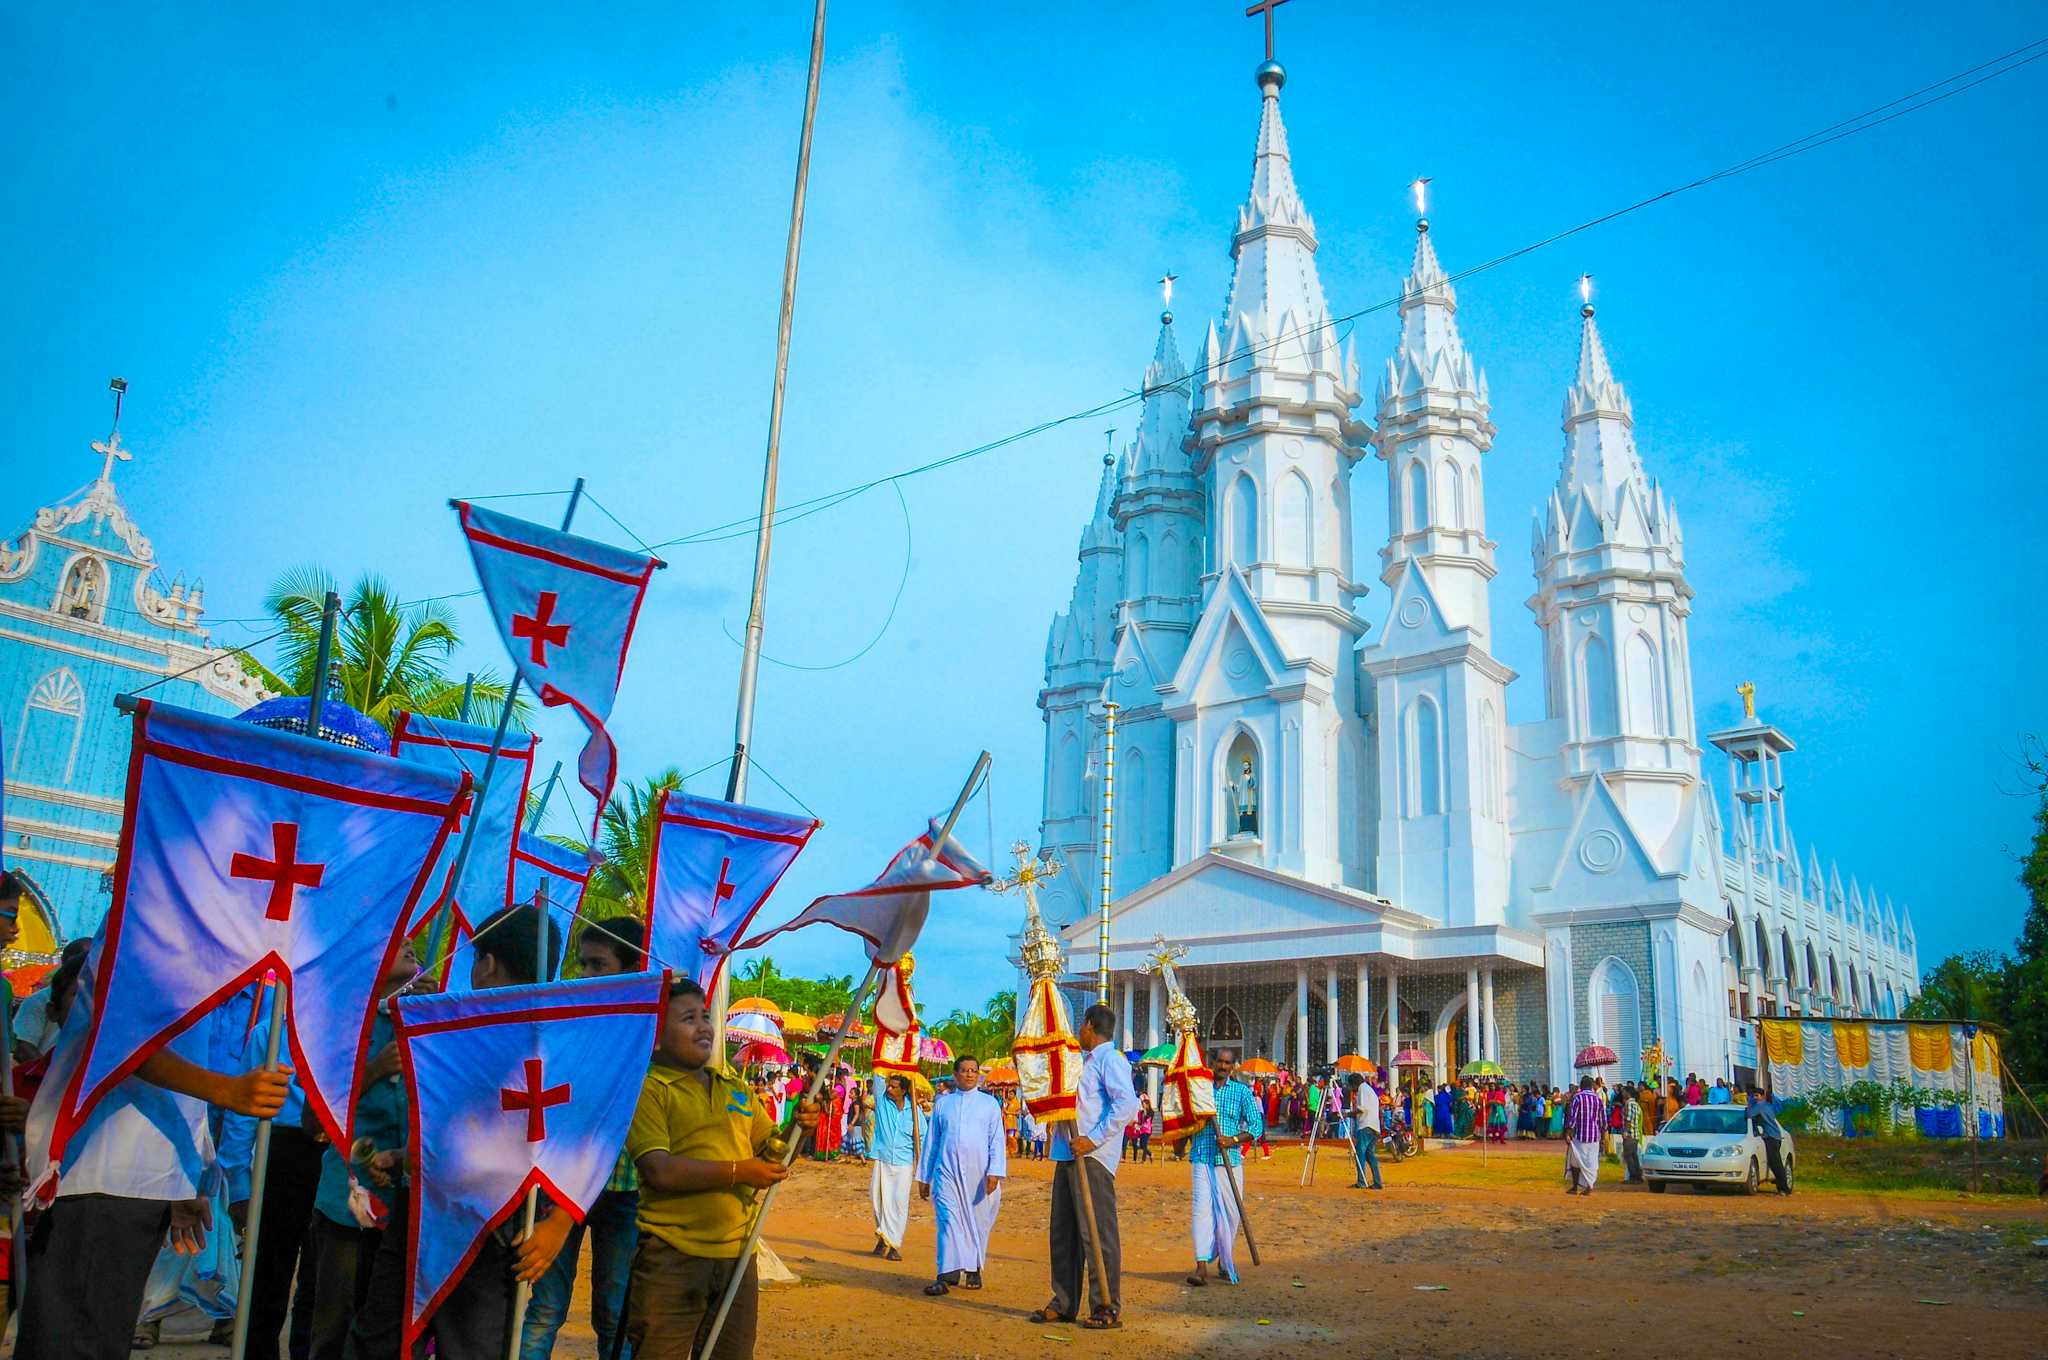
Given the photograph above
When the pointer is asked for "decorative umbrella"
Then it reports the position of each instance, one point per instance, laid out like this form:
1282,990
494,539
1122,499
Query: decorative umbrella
1157,1057
830,1025
1352,1062
795,1023
1481,1067
1258,1067
339,723
1597,1055
755,1003
749,1026
761,1051
933,1050
1413,1057
1002,1074
920,1084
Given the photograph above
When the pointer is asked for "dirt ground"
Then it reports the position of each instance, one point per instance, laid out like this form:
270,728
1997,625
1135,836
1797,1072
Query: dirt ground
1457,1257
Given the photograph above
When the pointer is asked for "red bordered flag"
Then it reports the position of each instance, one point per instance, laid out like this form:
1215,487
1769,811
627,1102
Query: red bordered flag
509,1088
464,748
890,912
895,1022
1187,1096
712,866
245,850
566,607
1047,1054
539,864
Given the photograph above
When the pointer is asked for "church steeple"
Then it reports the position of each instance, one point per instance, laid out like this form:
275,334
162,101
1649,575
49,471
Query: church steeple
1160,507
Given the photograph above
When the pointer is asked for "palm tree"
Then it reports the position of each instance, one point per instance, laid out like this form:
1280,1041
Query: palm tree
984,1036
625,836
388,655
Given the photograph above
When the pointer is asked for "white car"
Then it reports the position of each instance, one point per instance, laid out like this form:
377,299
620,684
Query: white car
1710,1145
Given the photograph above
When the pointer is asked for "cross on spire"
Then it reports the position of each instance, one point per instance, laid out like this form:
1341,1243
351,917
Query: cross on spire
535,1099
110,447
541,627
283,870
1266,8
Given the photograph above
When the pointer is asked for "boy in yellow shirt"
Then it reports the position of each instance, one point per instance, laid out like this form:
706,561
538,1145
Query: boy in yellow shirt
698,1140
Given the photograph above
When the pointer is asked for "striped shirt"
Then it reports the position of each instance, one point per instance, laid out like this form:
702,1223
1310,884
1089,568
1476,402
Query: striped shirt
1631,1118
1585,1117
1237,1113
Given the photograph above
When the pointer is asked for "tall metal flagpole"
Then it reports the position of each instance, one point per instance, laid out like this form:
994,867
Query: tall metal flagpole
259,1160
846,1022
524,1294
764,530
1108,849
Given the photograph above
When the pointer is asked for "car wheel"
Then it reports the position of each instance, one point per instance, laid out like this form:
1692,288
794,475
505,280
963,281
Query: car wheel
1788,1173
1658,1187
1750,1183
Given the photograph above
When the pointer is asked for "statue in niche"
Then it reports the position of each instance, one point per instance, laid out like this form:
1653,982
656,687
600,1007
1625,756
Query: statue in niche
1244,800
82,589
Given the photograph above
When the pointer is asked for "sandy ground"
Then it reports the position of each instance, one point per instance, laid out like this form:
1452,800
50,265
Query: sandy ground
1454,1258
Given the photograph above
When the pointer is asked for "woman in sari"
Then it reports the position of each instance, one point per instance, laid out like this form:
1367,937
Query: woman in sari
1497,1115
1462,1112
1556,1126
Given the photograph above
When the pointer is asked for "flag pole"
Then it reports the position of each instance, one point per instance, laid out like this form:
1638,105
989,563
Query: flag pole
443,920
17,1240
764,528
524,1294
259,1158
846,1022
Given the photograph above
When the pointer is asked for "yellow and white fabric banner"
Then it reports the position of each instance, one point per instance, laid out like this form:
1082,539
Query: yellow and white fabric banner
1807,1055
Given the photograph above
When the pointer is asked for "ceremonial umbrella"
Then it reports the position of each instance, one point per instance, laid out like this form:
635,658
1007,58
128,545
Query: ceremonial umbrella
754,1003
1481,1067
339,723
1157,1057
1597,1055
1412,1057
761,1051
1002,1074
1258,1067
933,1050
830,1024
795,1023
1352,1062
751,1026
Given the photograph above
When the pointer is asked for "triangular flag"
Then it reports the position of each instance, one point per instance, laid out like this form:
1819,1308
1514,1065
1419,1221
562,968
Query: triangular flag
243,850
465,748
514,1087
890,912
566,607
712,866
540,864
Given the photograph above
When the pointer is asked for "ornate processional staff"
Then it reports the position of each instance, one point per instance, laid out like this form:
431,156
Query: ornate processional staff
1187,1097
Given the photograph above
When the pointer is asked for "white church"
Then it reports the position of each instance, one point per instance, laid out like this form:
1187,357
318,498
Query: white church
1334,817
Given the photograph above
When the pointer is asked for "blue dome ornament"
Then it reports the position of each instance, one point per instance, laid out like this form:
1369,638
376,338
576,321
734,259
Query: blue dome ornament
339,723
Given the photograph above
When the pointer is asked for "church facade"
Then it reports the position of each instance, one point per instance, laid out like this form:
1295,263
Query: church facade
85,615
1358,850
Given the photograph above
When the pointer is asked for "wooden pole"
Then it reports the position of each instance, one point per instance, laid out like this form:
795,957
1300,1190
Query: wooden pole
17,1240
524,1294
1243,1220
259,1159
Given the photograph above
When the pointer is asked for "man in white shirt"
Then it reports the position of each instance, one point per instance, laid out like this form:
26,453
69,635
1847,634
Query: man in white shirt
1092,1145
139,1166
1365,1131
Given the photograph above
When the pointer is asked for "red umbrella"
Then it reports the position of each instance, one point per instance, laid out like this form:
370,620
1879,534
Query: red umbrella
1597,1055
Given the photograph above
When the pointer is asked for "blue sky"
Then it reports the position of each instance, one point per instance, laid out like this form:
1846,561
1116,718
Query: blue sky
354,263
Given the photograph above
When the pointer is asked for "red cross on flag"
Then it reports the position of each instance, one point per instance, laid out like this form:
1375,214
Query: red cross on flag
510,1088
246,850
712,866
566,607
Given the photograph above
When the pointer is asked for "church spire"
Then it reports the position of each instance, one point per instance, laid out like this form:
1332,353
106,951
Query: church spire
1163,423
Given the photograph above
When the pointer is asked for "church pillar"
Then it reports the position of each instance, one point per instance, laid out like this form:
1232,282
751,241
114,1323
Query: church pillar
1330,1027
1364,1004
1393,1014
1472,1048
1153,1006
1486,1004
1300,1020
1126,1033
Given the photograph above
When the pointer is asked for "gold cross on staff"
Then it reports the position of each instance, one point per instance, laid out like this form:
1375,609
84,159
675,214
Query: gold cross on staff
1747,689
1266,7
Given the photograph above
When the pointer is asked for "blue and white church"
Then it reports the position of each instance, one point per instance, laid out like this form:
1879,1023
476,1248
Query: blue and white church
1358,850
85,614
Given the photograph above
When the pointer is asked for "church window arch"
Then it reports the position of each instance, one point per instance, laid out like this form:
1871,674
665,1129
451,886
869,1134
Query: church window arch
45,742
1141,567
1450,496
1225,1026
1788,962
1418,497
1645,688
1170,564
1812,968
1614,1014
84,593
1834,980
1855,992
1870,988
1240,785
1423,764
1763,949
1891,1004
1294,522
1066,773
1735,947
1243,521
1132,791
1489,761
1600,717
1698,1002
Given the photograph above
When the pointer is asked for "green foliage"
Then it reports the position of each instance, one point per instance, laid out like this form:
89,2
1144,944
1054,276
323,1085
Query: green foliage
986,1035
1798,1114
387,655
815,997
2025,984
1961,987
1874,1106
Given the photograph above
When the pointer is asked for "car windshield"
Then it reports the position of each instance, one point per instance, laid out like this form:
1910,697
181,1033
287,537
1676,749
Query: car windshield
1699,1119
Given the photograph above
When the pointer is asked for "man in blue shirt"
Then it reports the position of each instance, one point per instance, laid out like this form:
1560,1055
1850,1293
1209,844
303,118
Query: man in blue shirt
897,1141
1763,1122
1092,1146
1216,1150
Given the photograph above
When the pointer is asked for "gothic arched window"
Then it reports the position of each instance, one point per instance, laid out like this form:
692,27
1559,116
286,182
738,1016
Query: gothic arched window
1596,682
1141,568
45,746
1763,949
1614,1016
85,589
1418,498
1130,796
1645,689
1294,523
1450,497
1424,765
1243,519
1489,761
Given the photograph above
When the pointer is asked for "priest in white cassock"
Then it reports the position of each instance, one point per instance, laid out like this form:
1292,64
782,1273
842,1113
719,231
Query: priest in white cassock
962,1175
897,1140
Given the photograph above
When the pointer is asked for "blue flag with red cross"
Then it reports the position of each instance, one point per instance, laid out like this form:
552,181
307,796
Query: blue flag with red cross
243,851
511,1088
566,607
711,867
465,748
539,865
